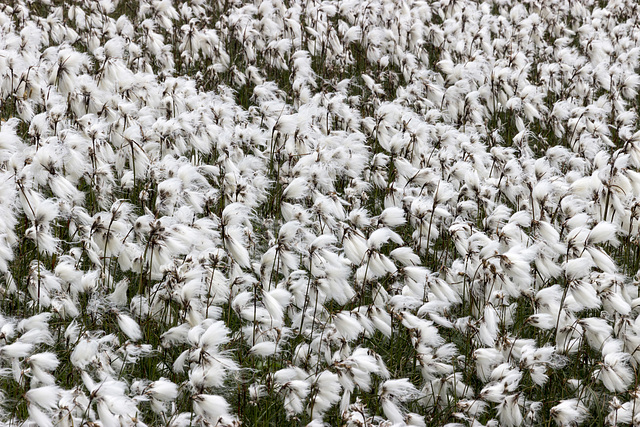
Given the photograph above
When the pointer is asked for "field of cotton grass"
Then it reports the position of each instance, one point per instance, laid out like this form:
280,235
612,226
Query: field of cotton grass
294,212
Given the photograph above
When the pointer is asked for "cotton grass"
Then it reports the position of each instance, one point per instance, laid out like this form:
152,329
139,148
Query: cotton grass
319,213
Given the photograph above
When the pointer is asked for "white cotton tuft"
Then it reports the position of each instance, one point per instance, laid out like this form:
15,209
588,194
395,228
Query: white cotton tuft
264,349
17,349
45,397
509,411
129,327
488,331
615,302
603,232
415,420
570,412
597,331
382,321
275,301
46,361
405,256
211,407
163,390
328,393
295,391
542,321
298,188
381,236
355,247
578,268
522,218
585,294
547,232
233,241
391,392
359,218
235,214
392,412
38,321
392,217
72,331
214,336
602,260
486,359
347,325
400,389
615,372
40,418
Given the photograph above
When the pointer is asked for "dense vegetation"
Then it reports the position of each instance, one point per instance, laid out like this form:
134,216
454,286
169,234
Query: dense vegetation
367,213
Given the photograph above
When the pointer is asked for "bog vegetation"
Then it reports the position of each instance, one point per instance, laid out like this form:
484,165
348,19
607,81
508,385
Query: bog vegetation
295,212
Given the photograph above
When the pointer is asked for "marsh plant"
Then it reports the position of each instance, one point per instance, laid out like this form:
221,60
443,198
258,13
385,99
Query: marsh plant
294,212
